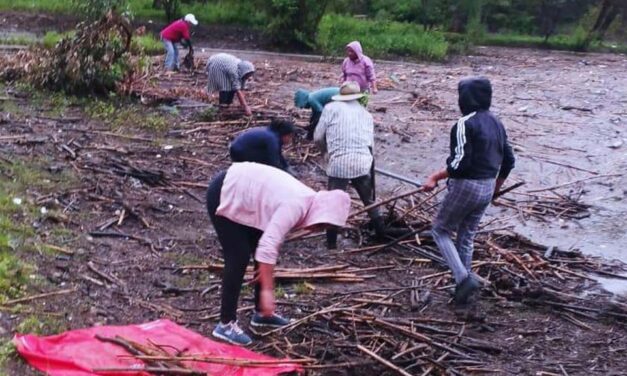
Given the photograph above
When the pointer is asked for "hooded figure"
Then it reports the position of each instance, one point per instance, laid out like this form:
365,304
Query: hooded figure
252,208
479,162
315,100
359,68
227,75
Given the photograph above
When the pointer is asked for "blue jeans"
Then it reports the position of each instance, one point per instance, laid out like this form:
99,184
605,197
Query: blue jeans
171,56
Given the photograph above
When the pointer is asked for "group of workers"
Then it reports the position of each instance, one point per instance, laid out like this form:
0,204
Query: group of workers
257,201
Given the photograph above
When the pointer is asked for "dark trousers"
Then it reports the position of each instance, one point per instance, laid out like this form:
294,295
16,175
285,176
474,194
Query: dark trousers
226,97
313,123
238,243
365,190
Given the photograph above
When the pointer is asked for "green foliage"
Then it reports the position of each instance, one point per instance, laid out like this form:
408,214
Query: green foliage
18,40
124,114
37,325
8,351
96,9
207,114
146,44
92,60
293,22
380,38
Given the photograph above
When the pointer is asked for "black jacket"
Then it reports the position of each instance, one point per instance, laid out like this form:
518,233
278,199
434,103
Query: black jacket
260,145
479,147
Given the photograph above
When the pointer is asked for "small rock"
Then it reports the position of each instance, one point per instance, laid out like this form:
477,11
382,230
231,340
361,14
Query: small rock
17,200
615,144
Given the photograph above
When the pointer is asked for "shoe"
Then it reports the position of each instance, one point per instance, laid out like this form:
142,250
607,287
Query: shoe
331,246
232,333
274,321
466,289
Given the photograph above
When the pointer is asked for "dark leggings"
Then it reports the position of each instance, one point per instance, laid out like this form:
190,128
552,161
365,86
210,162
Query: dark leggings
238,243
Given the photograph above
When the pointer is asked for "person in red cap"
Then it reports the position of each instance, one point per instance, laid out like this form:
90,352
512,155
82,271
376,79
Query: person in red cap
177,32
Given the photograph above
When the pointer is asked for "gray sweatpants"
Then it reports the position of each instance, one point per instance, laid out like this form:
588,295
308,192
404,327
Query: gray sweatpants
461,212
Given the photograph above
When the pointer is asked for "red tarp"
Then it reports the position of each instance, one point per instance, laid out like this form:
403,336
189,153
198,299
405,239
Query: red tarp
77,353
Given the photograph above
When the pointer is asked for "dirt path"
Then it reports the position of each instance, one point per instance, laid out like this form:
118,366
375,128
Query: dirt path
134,213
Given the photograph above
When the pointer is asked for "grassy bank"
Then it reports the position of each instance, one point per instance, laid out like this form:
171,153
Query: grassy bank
379,39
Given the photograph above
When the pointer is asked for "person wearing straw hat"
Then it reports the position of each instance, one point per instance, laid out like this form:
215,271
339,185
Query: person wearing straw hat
346,134
177,32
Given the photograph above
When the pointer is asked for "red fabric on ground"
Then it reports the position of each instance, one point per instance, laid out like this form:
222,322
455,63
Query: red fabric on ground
78,352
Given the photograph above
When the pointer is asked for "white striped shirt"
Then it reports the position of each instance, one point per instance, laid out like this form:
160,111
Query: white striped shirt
346,132
225,72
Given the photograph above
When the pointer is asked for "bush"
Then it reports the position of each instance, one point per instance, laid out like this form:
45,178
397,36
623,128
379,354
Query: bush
379,38
293,22
95,9
146,44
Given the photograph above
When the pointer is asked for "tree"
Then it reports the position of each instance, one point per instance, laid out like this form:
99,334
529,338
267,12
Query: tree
96,9
171,8
293,22
609,10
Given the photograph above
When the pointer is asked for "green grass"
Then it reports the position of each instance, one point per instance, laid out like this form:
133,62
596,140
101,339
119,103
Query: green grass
147,44
53,6
20,40
125,114
216,12
379,38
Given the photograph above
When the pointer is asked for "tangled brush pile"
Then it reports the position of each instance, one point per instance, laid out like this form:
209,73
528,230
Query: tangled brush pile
91,61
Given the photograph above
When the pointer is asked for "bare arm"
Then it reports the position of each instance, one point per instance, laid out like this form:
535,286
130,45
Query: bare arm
243,103
432,180
266,281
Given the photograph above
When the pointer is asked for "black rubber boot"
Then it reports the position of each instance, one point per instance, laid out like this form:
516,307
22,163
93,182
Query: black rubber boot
466,289
379,227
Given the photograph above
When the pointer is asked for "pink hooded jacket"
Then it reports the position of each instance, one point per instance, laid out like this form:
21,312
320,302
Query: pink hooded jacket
274,202
361,70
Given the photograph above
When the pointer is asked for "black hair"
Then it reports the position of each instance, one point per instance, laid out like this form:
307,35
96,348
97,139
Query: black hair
282,127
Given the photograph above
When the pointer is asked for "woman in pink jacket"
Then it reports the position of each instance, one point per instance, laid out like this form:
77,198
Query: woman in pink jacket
359,68
253,207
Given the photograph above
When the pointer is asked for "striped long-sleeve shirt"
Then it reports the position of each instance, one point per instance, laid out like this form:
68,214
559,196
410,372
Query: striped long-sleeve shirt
225,72
346,133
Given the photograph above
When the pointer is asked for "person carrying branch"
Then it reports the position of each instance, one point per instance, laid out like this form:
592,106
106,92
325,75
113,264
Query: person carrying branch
252,208
264,145
479,162
316,100
346,133
177,32
227,75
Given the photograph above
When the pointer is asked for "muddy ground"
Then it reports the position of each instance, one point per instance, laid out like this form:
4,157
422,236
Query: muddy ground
565,113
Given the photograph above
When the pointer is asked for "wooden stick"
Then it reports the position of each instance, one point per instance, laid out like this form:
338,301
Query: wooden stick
377,204
152,371
573,182
227,361
386,363
39,296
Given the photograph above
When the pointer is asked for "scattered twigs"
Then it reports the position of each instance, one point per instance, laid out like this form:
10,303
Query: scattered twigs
386,363
39,296
573,182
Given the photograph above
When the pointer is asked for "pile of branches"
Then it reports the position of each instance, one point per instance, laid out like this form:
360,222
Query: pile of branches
91,61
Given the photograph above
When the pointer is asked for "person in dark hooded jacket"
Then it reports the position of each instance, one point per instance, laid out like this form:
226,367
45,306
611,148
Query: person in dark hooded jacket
479,162
264,145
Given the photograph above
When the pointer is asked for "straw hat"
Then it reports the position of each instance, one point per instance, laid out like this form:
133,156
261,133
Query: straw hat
349,91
